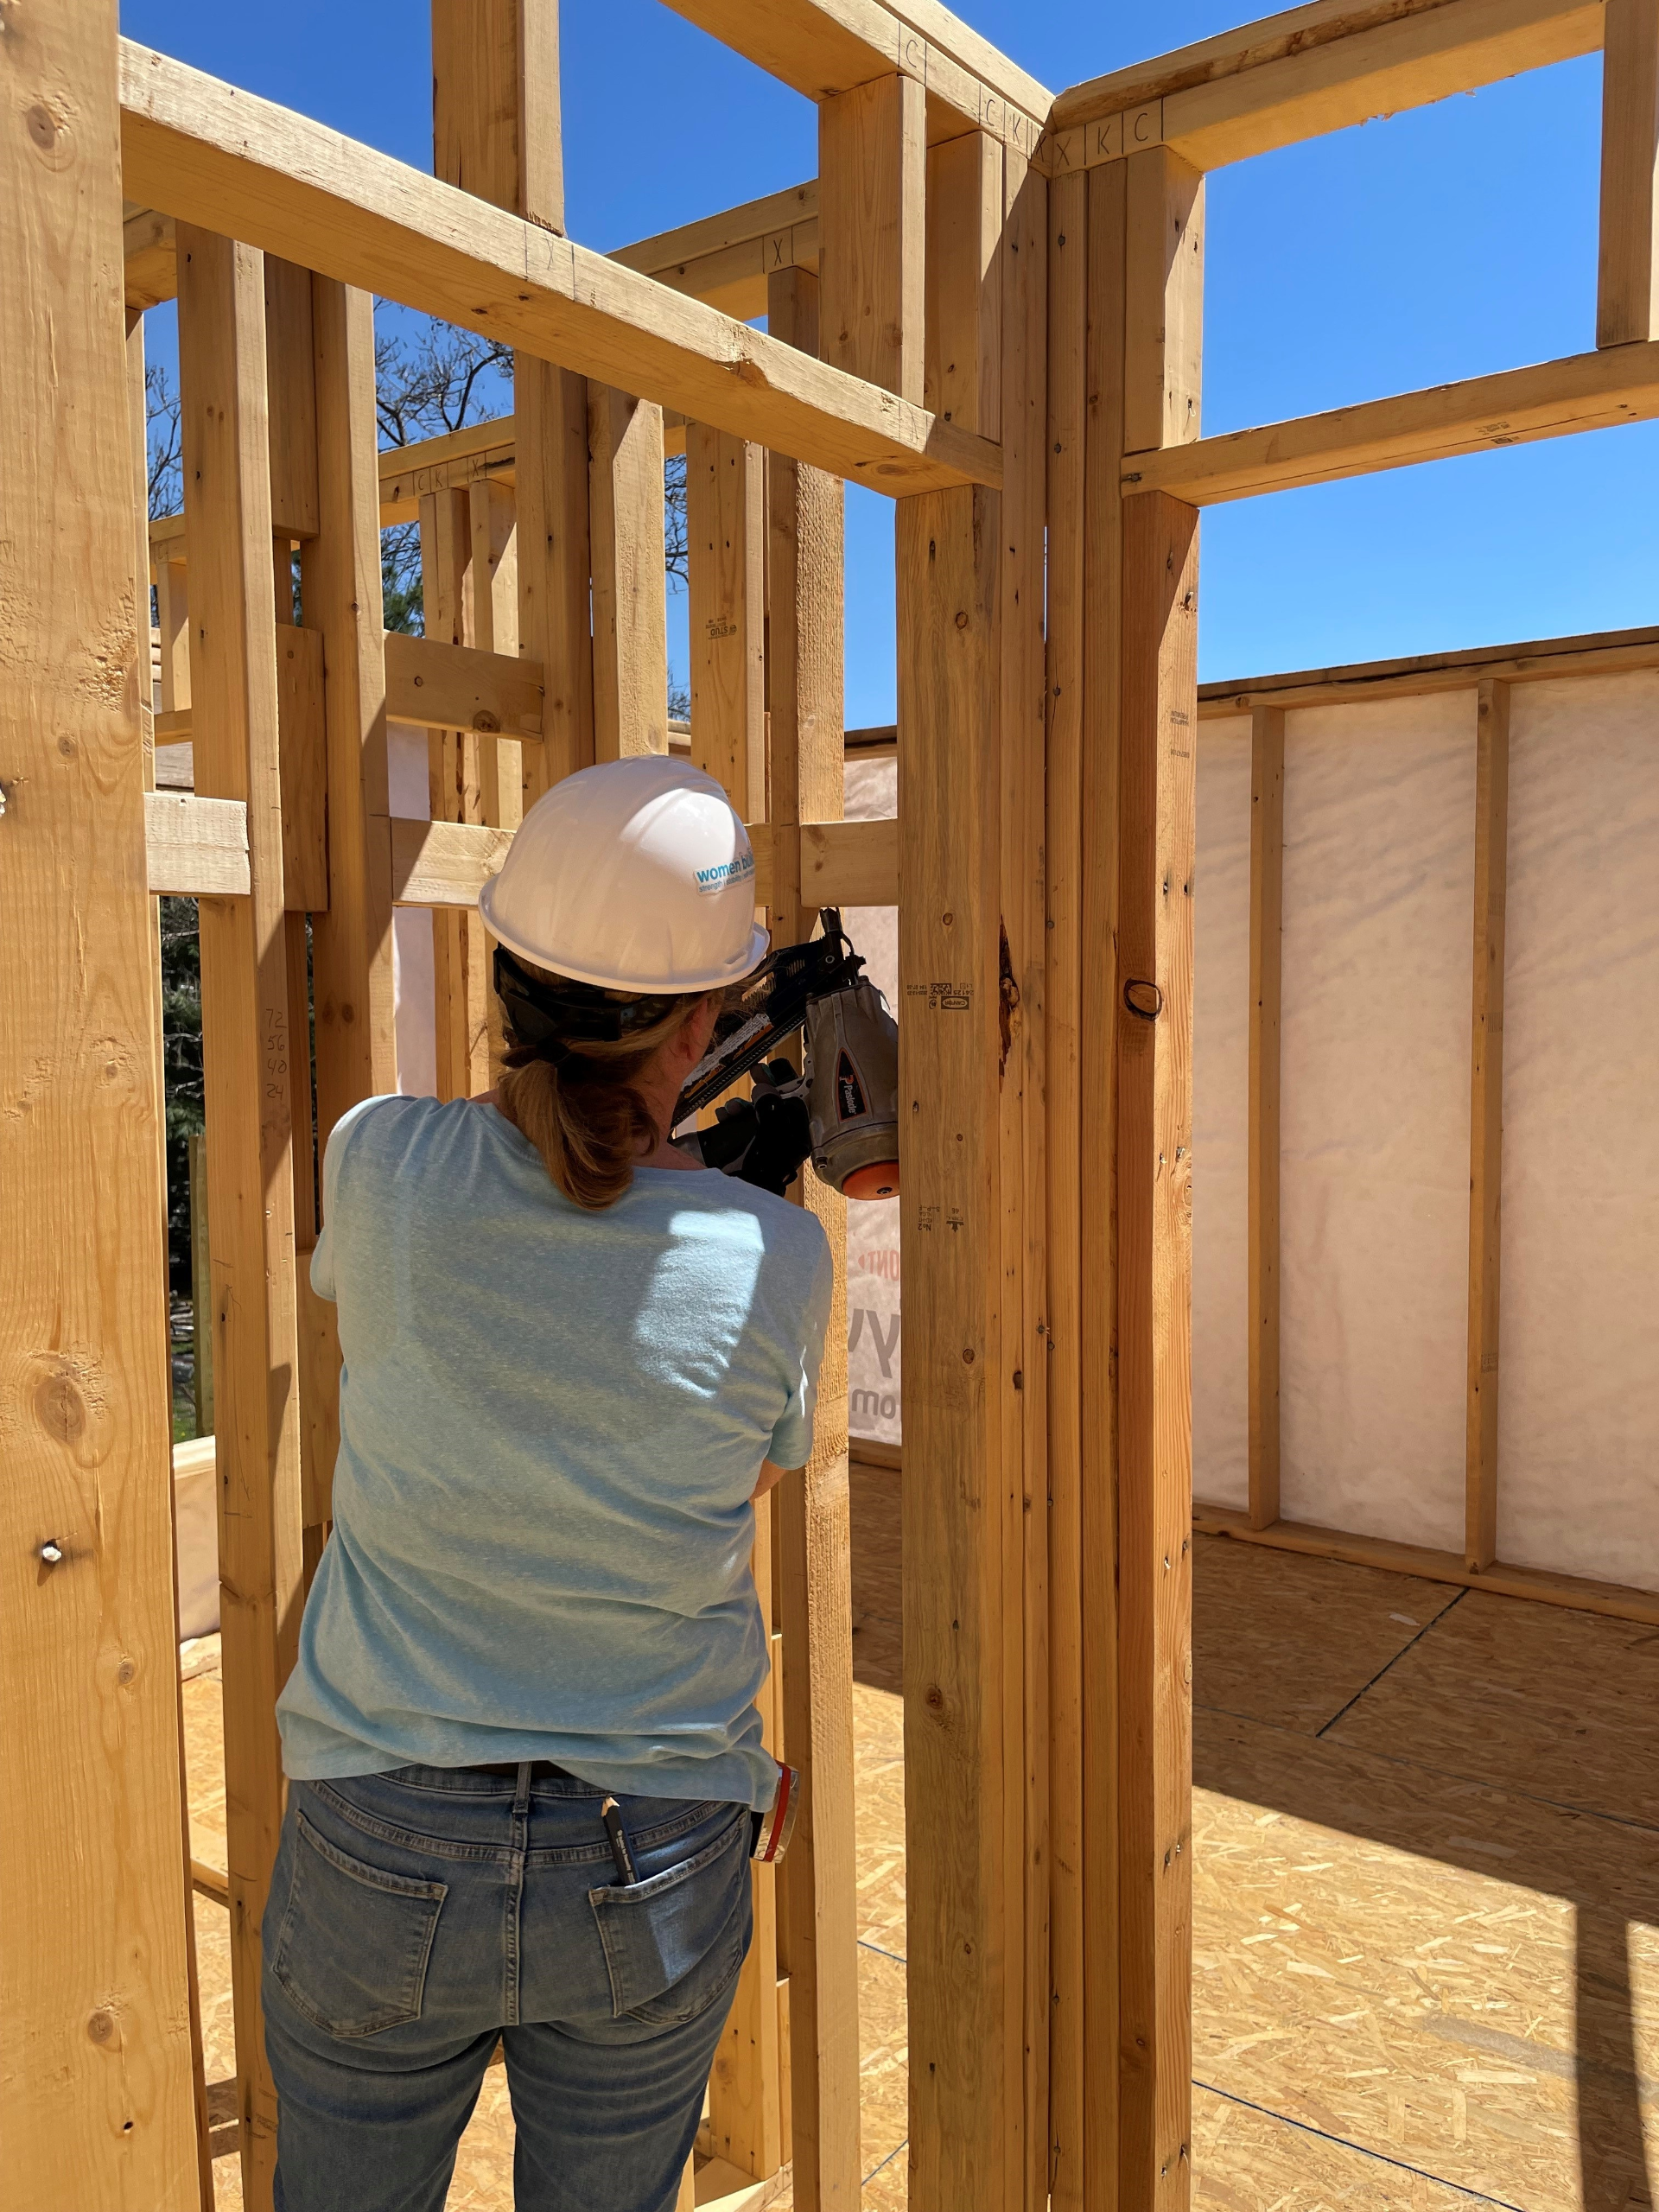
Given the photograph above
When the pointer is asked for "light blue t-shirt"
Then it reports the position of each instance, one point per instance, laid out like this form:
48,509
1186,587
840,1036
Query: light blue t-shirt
550,1423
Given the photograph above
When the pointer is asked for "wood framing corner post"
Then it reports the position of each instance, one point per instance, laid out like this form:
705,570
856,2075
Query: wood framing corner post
964,1891
96,2102
1157,793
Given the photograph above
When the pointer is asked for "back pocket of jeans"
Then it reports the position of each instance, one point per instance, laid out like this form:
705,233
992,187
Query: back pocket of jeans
673,1944
355,1941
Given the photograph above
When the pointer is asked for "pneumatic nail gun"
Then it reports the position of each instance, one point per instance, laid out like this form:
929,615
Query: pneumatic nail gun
841,1109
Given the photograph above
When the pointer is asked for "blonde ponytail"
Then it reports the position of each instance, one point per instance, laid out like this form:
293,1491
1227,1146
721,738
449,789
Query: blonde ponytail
573,1097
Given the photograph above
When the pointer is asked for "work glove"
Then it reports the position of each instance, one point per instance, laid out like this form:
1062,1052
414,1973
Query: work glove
762,1139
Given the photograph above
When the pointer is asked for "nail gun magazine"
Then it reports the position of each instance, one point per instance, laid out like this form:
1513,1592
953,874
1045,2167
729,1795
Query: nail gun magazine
841,1109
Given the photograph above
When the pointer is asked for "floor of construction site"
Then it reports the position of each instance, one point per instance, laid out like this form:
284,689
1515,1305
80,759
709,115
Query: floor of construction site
1425,1924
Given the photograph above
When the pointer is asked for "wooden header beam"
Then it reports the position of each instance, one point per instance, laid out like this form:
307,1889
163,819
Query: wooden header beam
218,156
822,48
1322,68
1608,653
726,259
1582,391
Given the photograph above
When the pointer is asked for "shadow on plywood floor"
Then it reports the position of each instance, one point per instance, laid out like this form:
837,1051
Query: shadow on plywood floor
1425,1913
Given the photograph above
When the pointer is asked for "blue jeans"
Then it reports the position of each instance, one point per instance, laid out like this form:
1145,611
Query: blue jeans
414,1916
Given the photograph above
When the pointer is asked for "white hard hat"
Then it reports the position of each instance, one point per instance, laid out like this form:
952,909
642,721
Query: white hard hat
637,875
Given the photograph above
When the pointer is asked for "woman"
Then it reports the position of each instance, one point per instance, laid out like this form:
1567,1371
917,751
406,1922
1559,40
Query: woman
521,1736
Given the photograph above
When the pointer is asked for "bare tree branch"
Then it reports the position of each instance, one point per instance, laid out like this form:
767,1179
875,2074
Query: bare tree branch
166,456
430,383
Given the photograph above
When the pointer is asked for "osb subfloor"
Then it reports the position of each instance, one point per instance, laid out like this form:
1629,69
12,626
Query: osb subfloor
1426,1895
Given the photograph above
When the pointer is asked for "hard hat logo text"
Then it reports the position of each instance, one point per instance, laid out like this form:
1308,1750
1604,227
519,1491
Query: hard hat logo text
724,872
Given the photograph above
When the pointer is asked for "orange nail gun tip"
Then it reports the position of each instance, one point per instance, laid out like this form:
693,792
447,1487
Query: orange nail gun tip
879,1179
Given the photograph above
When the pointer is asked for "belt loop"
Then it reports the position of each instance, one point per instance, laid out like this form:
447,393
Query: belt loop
521,1795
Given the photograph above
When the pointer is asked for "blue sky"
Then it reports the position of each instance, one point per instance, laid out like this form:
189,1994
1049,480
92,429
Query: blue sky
1444,243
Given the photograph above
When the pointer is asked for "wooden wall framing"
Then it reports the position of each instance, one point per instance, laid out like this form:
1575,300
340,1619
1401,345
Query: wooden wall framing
988,306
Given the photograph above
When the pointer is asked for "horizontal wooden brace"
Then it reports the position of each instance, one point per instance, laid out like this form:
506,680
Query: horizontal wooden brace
444,863
721,258
196,848
439,686
431,685
843,863
1321,68
1583,1596
1551,400
212,154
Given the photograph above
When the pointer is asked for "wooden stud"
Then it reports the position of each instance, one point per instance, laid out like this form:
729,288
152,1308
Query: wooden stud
816,1888
340,594
1261,1168
726,539
1103,619
453,795
496,133
965,1894
1068,216
962,362
353,1041
500,759
551,419
495,629
1021,270
744,2122
726,535
1151,1017
302,721
495,103
173,620
493,522
96,2101
138,518
630,606
1163,338
1627,294
1486,1118
201,1284
293,403
246,1044
872,191
1157,786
